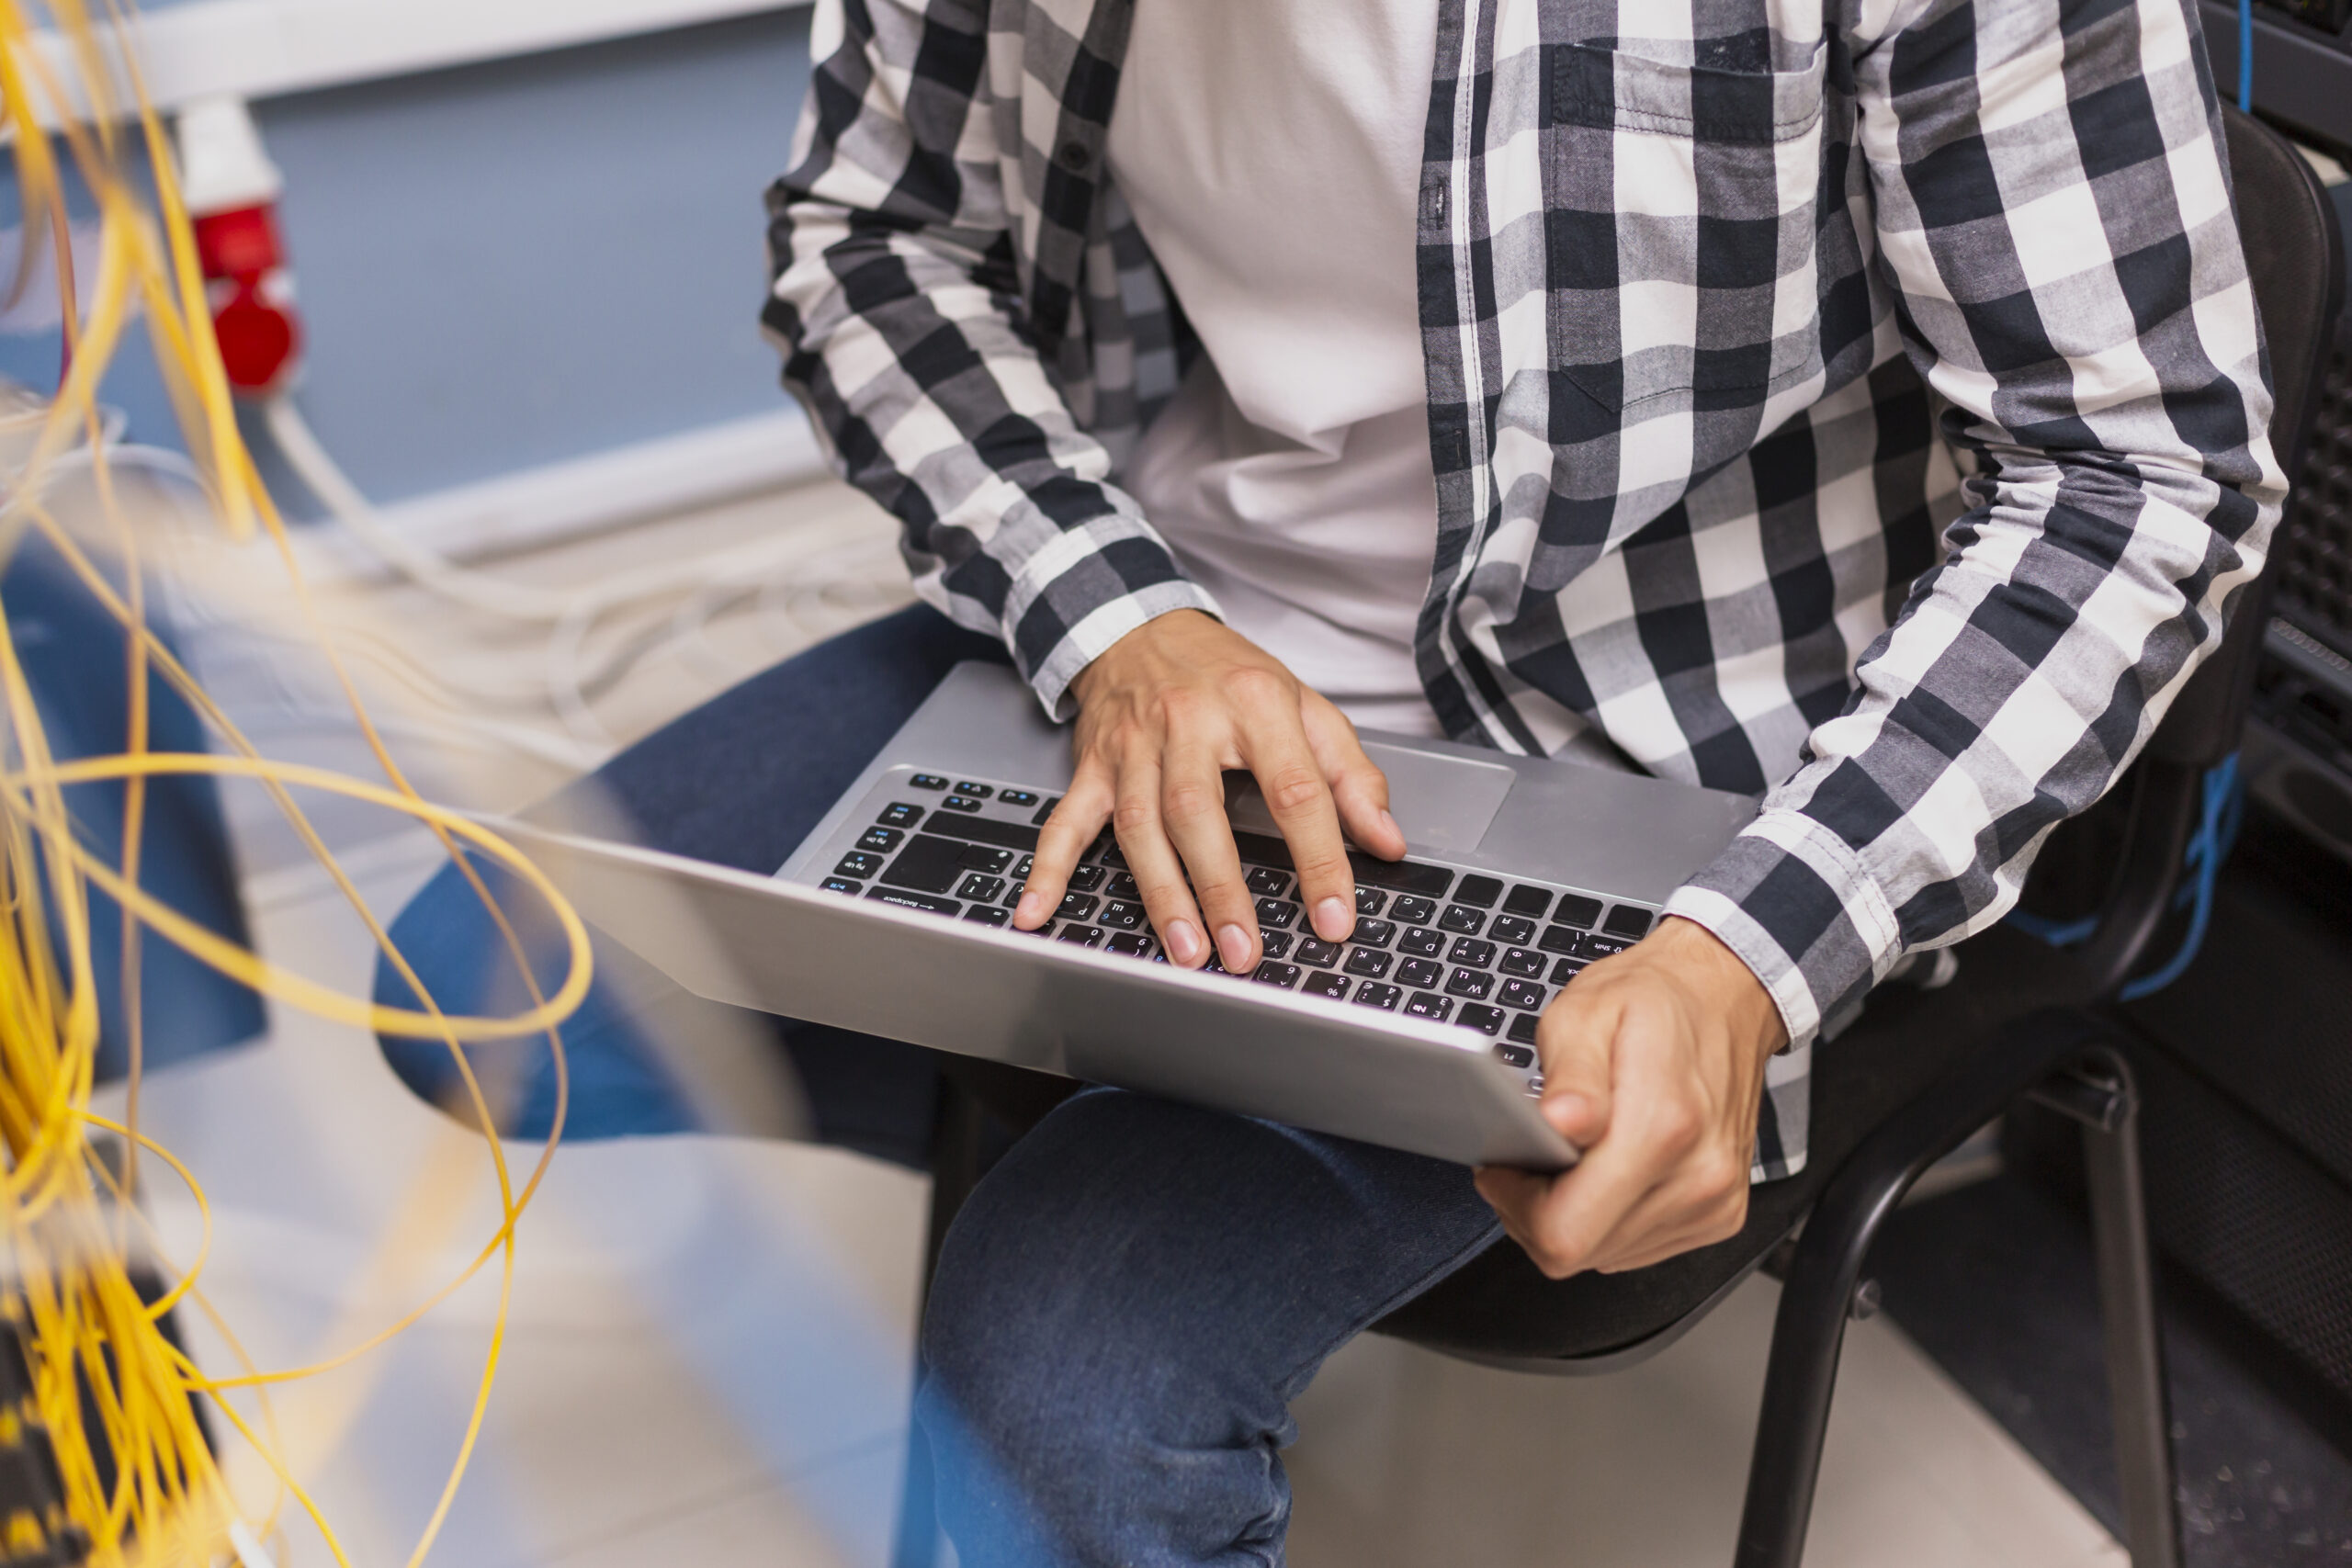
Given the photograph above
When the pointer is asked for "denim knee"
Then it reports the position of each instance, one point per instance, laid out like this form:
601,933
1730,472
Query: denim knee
1094,1390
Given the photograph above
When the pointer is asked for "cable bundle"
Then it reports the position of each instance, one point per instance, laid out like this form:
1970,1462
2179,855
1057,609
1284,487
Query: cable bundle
98,1407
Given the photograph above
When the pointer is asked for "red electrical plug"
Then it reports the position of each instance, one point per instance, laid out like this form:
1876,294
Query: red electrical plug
232,189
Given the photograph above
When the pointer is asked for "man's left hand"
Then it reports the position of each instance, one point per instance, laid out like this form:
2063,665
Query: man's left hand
1654,1066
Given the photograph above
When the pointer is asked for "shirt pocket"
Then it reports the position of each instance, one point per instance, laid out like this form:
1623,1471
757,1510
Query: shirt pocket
1681,203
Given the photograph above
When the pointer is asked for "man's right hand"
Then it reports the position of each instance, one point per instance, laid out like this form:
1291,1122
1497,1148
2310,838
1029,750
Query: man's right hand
1161,715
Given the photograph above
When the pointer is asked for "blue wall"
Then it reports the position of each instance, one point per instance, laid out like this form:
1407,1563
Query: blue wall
511,264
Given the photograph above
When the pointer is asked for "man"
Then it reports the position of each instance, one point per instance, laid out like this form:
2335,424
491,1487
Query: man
1576,376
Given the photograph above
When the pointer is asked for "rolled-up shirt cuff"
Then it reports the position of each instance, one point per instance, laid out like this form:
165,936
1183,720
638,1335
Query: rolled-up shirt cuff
1795,901
1084,592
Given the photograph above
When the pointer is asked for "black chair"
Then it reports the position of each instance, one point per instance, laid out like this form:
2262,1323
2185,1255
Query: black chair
1920,1070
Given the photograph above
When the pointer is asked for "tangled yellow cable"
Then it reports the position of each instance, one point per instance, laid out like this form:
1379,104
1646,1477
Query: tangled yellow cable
111,1397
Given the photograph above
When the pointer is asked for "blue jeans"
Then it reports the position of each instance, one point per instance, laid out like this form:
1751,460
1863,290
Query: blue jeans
1130,1301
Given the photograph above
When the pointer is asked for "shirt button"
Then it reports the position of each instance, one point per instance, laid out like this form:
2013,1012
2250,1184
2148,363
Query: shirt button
1074,156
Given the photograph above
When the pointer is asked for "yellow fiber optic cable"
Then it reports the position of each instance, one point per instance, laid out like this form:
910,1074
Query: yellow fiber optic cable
88,1336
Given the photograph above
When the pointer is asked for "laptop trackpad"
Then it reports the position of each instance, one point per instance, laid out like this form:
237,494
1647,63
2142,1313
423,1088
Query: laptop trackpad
1442,803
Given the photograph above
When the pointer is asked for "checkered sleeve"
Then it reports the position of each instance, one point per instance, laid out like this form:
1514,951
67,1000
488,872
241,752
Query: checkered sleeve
897,304
2054,220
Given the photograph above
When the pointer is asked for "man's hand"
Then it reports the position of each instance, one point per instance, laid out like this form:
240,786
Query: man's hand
1160,715
1654,1066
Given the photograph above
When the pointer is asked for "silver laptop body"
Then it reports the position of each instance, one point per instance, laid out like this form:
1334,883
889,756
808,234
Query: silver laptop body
890,920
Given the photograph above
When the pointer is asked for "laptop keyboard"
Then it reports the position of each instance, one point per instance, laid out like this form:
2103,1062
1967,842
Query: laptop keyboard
1432,940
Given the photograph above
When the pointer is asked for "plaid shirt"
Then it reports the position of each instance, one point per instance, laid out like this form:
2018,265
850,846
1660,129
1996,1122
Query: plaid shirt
1712,291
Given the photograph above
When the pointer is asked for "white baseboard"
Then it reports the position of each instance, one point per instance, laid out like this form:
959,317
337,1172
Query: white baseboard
584,495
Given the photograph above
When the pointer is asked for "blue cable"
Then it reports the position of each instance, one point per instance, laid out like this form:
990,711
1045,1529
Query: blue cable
2245,56
2217,833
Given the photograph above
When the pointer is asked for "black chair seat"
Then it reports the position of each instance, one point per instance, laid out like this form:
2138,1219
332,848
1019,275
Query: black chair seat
1499,1307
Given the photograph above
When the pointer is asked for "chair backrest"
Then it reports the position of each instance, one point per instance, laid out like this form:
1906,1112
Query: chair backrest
2294,252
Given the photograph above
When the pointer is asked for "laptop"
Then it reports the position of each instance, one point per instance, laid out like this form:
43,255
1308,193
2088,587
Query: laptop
893,919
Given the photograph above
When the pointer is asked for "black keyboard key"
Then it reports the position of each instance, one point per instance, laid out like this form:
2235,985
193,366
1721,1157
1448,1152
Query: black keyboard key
1110,855
1512,931
987,915
1561,939
1419,973
1045,929
1012,894
1133,944
1272,973
1594,948
1413,911
1474,984
1628,921
1326,985
1075,907
900,815
1274,945
1400,876
1463,919
1268,883
1087,878
928,781
927,865
881,841
924,901
1566,970
1084,936
1318,953
1485,1019
959,803
1044,812
1519,1056
1373,994
1480,890
1121,886
1471,951
1104,842
1518,961
976,791
1021,870
989,831
1017,798
842,885
1421,942
987,889
1524,995
1522,1029
1375,933
1575,911
1528,901
1427,1004
1365,962
1369,900
1275,914
980,857
859,863
1121,916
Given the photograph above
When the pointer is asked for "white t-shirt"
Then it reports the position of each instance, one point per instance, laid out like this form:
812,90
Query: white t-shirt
1272,151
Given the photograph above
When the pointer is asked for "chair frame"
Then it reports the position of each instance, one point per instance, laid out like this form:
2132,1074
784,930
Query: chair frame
2041,1048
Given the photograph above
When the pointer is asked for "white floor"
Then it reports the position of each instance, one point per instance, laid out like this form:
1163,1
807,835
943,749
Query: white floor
708,1346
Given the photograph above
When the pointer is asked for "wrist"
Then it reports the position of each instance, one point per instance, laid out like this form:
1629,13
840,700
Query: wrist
1105,666
1729,988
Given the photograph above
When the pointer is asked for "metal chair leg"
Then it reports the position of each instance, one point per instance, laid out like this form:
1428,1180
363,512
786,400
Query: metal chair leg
1825,1271
2127,1297
954,1172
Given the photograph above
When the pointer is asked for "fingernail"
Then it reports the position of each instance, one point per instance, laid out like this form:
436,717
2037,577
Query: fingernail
1030,907
1330,919
1183,941
1233,944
